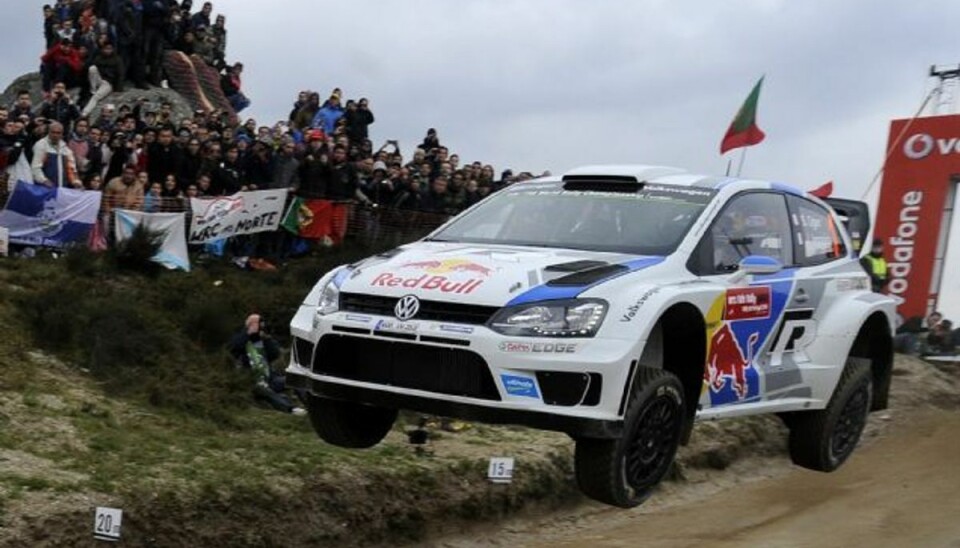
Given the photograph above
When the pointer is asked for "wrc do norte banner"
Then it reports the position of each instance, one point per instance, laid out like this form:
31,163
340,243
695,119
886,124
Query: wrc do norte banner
246,212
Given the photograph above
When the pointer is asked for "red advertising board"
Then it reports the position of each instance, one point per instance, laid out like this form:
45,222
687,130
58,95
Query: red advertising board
917,181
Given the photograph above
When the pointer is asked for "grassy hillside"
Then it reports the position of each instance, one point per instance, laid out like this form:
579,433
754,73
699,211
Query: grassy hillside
115,391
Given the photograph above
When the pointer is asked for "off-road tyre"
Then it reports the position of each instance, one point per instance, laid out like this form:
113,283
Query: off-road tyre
349,424
822,440
624,472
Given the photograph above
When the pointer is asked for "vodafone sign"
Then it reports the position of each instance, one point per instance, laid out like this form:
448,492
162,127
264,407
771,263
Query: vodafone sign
915,189
919,145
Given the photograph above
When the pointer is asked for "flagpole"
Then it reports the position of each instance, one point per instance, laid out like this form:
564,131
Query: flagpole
743,154
729,163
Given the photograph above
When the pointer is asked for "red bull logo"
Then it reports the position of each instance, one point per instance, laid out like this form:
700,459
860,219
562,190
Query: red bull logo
428,283
726,362
447,266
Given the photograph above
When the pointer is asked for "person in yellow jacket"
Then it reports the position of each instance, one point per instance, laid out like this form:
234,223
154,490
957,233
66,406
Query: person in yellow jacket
876,266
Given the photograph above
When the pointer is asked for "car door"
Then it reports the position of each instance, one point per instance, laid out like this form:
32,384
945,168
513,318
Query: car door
819,255
742,321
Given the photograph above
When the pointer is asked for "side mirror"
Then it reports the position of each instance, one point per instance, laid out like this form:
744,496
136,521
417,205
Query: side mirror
756,264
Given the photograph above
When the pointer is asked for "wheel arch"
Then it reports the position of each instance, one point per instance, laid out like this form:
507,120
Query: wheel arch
874,342
677,343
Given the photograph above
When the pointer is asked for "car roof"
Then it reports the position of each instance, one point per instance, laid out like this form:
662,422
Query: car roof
668,176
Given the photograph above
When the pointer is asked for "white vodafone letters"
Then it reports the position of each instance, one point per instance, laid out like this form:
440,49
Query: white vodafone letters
920,145
903,242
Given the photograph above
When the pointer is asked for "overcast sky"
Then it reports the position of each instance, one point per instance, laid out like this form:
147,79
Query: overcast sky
552,84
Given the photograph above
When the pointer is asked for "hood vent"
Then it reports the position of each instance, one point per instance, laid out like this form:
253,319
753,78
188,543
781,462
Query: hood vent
589,277
575,266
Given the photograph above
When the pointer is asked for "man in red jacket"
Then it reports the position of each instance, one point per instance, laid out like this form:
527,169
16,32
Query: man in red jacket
61,63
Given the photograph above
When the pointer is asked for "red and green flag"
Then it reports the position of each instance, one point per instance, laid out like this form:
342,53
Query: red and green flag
743,130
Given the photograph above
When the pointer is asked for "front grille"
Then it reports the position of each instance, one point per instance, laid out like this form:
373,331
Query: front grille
429,310
451,371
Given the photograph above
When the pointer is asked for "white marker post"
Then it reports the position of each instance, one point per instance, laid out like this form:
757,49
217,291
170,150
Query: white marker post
500,470
106,523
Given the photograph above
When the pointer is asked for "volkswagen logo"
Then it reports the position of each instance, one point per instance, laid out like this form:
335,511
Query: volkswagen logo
407,307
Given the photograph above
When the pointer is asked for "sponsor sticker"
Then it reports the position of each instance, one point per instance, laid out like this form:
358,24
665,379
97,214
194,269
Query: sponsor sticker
516,385
747,303
357,318
538,348
462,329
393,325
634,308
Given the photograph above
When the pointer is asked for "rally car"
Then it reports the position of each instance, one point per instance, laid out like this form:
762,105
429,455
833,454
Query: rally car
617,304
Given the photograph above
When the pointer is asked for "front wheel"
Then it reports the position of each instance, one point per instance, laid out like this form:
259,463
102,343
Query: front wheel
822,440
349,424
624,472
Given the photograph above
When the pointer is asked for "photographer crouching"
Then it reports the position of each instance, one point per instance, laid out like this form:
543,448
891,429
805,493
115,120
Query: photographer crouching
255,349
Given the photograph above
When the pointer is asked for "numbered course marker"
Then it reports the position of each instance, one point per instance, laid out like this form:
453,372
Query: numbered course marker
106,523
500,470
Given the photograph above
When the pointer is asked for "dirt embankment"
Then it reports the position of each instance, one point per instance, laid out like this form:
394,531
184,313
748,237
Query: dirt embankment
387,496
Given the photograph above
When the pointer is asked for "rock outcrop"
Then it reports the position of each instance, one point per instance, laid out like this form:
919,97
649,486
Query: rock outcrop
155,96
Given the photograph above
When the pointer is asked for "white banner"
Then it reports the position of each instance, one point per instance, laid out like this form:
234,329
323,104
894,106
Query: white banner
173,251
241,213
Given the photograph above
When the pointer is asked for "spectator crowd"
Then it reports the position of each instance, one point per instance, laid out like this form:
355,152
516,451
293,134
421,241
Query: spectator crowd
142,157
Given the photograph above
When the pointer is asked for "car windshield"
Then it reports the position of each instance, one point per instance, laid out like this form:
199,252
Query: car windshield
645,220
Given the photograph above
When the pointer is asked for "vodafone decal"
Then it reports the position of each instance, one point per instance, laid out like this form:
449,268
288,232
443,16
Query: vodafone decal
919,145
902,243
913,195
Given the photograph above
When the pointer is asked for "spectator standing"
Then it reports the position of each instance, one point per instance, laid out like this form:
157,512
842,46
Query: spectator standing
124,192
53,163
79,144
876,266
202,18
156,13
315,169
328,115
60,107
304,116
129,30
23,106
228,177
359,118
164,157
286,167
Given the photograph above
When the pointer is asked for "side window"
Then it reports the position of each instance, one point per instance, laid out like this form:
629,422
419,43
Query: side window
818,239
751,224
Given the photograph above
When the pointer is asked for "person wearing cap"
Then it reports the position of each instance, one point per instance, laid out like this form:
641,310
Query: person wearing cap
876,266
53,162
328,115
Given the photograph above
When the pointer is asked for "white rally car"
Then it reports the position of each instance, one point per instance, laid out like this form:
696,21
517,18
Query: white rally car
616,304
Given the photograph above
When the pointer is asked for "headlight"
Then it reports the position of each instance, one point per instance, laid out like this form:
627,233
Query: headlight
574,318
329,299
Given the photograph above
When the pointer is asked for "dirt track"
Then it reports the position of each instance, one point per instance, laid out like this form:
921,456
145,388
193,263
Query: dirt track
902,489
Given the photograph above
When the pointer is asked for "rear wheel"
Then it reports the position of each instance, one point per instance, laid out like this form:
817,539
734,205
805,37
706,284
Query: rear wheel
349,424
624,472
822,440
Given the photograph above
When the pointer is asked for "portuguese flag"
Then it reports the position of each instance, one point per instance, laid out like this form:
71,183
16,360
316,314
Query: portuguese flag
743,130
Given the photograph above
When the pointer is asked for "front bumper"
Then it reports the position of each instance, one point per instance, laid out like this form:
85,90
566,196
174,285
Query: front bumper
463,371
574,426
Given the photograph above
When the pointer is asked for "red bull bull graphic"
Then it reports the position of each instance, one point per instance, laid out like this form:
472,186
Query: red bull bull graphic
446,266
727,364
739,323
443,275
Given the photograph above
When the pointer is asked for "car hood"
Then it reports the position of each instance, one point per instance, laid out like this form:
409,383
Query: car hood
486,274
